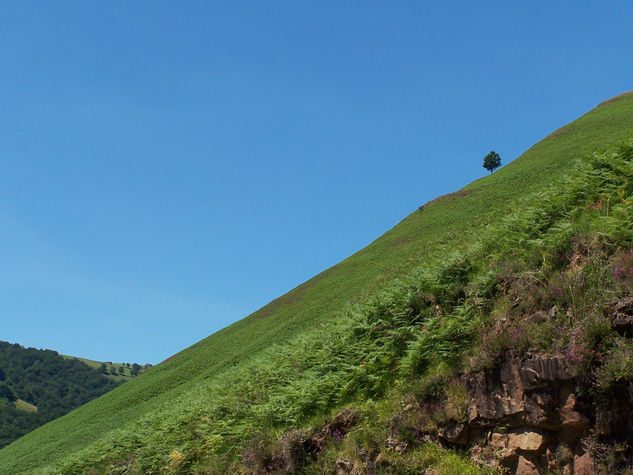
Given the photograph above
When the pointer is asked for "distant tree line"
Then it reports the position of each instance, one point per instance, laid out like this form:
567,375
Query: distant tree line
135,368
43,378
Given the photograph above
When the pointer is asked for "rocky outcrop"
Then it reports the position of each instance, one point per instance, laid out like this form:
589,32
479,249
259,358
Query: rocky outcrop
529,414
525,414
529,391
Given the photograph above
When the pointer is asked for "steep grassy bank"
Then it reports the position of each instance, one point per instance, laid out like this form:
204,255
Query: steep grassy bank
164,415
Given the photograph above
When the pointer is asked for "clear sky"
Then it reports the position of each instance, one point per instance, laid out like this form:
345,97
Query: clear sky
168,168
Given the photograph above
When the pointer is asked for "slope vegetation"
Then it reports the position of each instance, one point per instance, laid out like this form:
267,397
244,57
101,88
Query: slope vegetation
346,332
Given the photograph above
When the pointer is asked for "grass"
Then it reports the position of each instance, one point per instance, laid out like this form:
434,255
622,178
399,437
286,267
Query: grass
166,398
24,406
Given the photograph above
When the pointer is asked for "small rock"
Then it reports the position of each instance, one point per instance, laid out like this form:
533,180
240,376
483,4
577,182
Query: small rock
526,467
472,412
395,444
622,318
456,433
569,417
508,446
583,465
344,466
551,460
500,443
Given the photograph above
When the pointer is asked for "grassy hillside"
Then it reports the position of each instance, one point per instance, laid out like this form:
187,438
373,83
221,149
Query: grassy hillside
167,398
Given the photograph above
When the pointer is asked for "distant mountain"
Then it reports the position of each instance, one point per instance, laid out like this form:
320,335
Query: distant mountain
37,386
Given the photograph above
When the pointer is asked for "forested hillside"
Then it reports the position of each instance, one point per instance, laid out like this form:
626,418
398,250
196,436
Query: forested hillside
37,386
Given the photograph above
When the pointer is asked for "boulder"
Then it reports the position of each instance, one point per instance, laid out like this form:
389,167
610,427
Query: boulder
584,465
526,467
570,417
500,444
527,441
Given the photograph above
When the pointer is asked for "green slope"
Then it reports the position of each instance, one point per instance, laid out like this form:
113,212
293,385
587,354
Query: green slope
443,222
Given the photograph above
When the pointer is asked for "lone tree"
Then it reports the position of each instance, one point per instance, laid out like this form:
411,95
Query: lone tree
492,161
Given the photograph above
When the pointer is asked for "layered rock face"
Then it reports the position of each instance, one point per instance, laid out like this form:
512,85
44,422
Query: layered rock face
526,415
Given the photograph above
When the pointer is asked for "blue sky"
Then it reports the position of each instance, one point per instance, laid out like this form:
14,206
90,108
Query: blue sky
168,168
